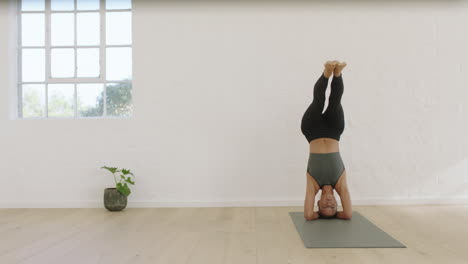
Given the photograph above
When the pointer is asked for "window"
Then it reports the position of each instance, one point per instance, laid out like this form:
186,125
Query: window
74,58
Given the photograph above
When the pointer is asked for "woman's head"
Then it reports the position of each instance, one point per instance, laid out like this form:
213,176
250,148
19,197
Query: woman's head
327,204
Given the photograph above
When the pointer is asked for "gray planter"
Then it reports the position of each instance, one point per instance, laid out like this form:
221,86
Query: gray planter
114,200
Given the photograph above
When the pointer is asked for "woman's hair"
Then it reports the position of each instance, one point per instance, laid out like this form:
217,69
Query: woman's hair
327,217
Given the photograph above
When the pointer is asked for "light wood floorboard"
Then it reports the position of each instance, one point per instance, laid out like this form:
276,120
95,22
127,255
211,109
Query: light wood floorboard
231,235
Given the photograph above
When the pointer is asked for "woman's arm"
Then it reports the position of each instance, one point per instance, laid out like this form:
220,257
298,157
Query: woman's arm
345,198
311,191
309,213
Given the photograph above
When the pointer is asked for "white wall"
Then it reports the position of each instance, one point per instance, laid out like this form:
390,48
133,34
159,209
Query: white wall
219,92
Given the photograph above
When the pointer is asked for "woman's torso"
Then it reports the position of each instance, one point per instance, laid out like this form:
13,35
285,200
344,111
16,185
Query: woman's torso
324,145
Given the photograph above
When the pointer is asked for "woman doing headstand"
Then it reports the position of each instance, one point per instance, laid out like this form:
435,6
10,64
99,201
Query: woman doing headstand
325,168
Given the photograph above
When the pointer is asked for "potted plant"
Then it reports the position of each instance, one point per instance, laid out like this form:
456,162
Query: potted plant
115,199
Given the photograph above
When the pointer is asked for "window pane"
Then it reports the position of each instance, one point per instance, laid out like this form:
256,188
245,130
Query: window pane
62,63
88,4
119,63
60,100
32,29
90,99
118,4
118,28
33,64
33,100
60,5
119,99
88,28
62,27
88,62
32,5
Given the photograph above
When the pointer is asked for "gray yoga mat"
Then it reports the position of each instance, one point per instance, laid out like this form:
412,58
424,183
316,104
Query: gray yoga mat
338,233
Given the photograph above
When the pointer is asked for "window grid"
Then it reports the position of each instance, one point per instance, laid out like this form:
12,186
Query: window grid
75,80
47,57
19,52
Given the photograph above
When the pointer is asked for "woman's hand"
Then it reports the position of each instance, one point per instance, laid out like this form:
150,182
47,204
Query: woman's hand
315,215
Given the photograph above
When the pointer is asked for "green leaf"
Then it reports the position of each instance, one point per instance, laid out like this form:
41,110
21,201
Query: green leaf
125,172
111,169
123,189
129,180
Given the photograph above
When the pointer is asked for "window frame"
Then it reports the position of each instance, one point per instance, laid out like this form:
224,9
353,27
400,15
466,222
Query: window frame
48,47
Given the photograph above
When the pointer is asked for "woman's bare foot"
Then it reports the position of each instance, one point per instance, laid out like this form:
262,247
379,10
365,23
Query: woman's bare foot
339,66
329,68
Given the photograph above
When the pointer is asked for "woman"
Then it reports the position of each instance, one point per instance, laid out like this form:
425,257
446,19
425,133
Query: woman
325,168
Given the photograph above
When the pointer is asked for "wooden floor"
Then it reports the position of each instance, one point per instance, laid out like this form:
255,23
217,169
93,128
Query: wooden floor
241,235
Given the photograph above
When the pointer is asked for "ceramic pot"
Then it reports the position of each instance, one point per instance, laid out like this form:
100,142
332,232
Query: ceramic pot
114,200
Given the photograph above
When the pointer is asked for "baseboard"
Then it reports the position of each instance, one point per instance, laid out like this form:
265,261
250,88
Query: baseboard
228,203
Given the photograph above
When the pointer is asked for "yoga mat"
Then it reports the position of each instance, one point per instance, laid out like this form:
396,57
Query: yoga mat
338,233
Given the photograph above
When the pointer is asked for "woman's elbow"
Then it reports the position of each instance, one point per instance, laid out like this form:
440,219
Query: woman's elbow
310,216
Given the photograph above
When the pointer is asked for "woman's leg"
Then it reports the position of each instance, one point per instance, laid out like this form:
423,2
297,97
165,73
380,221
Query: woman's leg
313,113
312,117
334,115
319,95
316,107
